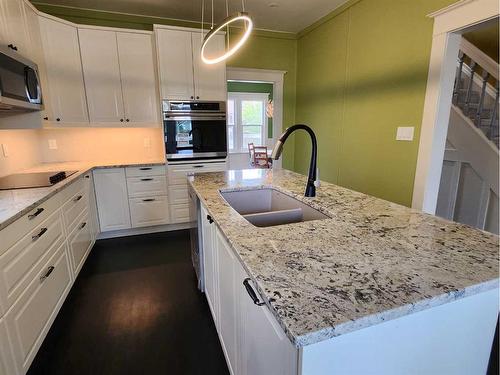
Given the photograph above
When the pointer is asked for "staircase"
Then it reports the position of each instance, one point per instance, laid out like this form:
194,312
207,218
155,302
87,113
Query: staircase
476,90
469,188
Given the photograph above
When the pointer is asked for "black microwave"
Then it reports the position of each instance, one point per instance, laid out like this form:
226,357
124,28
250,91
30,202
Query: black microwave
19,84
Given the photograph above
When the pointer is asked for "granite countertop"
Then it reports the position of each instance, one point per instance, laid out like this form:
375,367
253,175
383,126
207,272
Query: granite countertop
17,202
371,262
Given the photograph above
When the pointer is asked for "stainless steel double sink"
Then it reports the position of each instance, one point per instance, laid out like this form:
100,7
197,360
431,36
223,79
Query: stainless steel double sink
266,207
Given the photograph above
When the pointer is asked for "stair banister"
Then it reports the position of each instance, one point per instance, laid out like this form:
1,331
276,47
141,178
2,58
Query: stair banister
485,75
483,60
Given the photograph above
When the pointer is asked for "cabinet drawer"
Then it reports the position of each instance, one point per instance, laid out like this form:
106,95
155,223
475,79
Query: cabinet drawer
154,170
146,186
178,194
30,317
74,207
177,173
180,213
149,211
22,258
80,241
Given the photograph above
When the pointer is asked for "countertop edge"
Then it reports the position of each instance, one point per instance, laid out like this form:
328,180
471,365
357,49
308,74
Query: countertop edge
360,323
65,183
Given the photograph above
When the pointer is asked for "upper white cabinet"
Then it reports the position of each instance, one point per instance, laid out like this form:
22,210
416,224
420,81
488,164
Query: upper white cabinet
183,76
101,72
121,91
65,101
13,27
175,60
138,77
209,80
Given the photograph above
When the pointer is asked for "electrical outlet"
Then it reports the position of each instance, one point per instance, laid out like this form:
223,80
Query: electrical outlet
5,150
52,144
405,133
147,142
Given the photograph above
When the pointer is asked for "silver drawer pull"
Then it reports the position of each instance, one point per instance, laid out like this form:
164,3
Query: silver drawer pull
36,213
78,198
40,234
46,274
149,200
82,225
145,169
147,179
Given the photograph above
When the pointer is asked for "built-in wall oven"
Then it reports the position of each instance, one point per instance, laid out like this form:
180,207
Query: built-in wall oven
194,130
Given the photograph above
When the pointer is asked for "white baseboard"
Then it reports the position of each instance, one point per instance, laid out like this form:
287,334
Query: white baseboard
145,230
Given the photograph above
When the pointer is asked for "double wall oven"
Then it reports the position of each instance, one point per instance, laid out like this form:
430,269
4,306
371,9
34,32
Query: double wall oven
194,130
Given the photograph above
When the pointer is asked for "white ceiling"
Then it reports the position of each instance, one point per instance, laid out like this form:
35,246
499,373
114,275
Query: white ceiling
279,15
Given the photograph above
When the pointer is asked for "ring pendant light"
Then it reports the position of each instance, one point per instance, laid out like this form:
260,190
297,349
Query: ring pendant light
239,16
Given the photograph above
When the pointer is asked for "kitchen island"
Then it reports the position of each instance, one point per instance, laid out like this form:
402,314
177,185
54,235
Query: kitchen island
376,287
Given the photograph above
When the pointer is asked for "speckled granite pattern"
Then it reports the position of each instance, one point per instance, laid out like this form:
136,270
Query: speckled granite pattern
17,202
372,261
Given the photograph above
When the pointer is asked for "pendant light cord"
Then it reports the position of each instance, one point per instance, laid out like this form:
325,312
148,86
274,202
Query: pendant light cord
212,15
202,16
243,5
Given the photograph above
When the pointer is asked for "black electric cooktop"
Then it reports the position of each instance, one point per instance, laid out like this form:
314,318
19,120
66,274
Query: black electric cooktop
32,180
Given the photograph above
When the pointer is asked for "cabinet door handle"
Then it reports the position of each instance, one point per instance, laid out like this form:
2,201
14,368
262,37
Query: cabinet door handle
78,198
36,213
40,234
210,220
147,179
145,169
46,274
58,119
82,225
149,200
11,46
127,120
87,176
198,166
252,293
197,97
192,97
46,118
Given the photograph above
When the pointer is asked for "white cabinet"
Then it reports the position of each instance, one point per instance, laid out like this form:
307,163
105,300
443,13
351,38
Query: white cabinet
137,69
209,79
210,263
112,199
66,102
30,317
121,91
265,349
80,242
252,339
183,76
145,212
6,360
101,72
13,27
175,60
228,302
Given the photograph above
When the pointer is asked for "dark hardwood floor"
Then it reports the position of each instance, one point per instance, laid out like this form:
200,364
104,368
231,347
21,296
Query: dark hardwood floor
134,309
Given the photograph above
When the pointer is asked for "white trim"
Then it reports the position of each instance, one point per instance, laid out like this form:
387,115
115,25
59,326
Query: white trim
144,230
276,77
437,105
479,57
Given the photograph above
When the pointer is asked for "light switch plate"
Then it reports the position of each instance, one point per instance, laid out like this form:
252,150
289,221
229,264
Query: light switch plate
52,144
5,150
405,133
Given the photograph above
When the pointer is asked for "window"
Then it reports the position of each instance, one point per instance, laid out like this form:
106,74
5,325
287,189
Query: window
246,120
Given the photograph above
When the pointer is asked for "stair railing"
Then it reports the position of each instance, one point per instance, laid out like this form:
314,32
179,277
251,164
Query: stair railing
470,58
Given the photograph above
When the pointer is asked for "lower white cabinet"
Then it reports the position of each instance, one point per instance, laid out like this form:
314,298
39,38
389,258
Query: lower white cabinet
30,317
80,242
112,199
145,212
252,340
6,360
210,263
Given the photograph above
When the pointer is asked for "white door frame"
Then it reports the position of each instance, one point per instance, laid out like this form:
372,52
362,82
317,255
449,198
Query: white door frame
449,24
275,77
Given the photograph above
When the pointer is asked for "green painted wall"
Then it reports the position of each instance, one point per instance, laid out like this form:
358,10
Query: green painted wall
362,72
254,87
486,39
264,50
